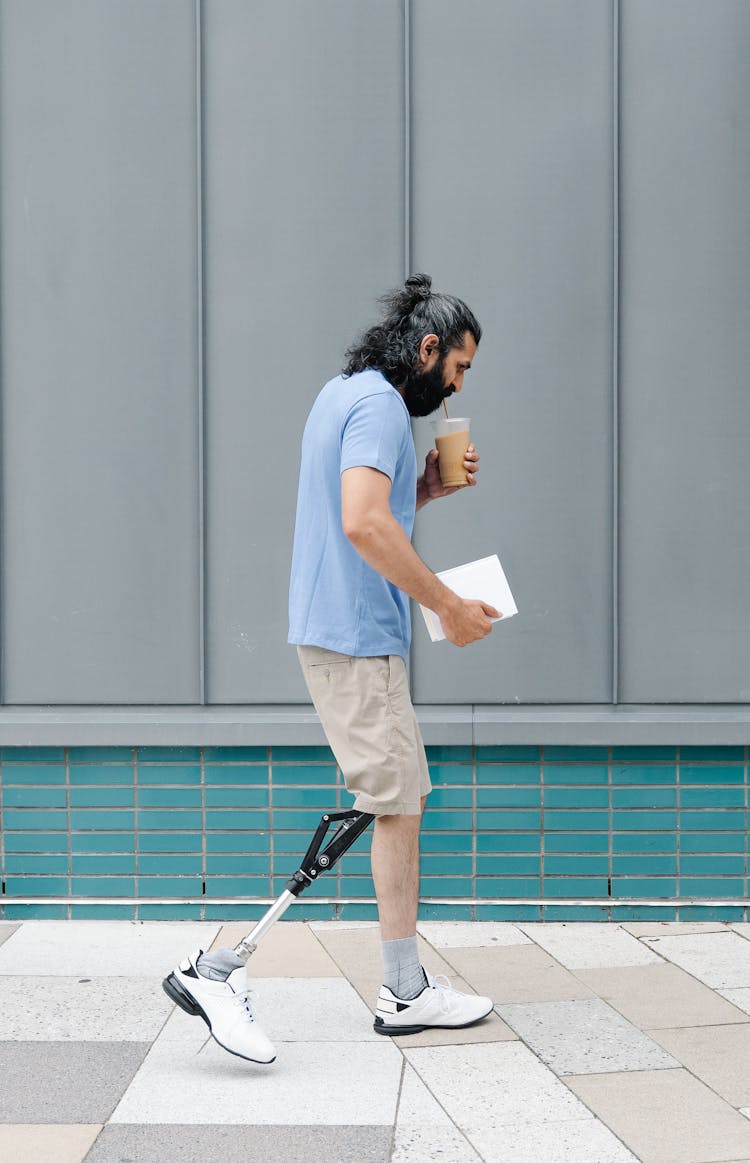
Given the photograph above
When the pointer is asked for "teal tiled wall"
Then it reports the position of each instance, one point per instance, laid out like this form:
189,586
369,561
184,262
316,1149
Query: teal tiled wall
180,829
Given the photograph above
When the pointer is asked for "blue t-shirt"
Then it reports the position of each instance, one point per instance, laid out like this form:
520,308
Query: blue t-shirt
336,600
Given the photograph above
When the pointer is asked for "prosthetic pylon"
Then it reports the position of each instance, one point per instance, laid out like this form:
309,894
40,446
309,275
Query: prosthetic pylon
351,826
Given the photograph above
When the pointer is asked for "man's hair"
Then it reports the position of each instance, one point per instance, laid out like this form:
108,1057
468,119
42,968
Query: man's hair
411,312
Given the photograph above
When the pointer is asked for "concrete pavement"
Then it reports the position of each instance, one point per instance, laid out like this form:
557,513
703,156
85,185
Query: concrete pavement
609,1042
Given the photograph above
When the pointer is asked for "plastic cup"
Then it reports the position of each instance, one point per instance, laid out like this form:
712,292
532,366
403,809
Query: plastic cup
451,441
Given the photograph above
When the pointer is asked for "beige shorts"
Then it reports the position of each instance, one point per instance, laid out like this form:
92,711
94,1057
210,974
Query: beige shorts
369,721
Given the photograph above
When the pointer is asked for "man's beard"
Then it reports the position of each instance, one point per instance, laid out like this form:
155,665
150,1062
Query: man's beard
425,391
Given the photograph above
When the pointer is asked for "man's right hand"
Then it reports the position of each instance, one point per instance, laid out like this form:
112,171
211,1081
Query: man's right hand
466,620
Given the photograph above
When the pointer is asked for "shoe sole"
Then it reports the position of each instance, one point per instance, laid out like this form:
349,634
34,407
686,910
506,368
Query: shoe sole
180,996
380,1027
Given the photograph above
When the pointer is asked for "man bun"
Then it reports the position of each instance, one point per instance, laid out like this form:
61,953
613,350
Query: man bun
418,286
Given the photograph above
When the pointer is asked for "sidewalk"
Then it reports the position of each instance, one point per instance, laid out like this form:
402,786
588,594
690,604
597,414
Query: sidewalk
609,1043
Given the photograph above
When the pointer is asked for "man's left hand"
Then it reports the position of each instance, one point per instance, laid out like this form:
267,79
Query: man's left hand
429,485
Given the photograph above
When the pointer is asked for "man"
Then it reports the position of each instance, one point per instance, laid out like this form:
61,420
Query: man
353,572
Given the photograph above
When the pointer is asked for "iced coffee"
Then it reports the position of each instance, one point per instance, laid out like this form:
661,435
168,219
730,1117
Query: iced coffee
452,441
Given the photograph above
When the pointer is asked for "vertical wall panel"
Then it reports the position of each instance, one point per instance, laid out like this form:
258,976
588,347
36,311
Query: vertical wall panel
303,135
99,552
685,534
304,142
512,210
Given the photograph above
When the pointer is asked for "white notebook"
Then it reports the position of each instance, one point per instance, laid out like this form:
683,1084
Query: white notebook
483,580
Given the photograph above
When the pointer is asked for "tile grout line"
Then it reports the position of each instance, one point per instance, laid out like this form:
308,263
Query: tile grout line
136,834
678,831
392,1144
475,824
747,886
66,753
204,836
542,833
598,1118
2,844
271,829
435,1098
610,827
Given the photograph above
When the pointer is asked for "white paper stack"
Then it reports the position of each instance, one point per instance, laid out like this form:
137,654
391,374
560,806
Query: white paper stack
483,580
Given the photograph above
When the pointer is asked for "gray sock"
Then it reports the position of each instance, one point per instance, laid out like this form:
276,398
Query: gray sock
403,972
218,964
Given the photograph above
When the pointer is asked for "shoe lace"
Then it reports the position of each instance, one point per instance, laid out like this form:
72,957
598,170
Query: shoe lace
242,999
444,988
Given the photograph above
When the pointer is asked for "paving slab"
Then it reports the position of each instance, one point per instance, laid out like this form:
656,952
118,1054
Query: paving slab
424,1132
71,1009
470,934
315,1083
573,1141
718,1055
589,944
34,1144
584,1037
516,973
720,960
661,996
665,1116
737,997
493,1084
741,927
423,1129
65,1082
101,948
424,1144
417,1106
289,949
667,928
320,1009
6,930
357,955
235,1144
490,1029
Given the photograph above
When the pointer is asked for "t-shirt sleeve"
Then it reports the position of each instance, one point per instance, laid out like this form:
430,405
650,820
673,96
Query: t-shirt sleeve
373,434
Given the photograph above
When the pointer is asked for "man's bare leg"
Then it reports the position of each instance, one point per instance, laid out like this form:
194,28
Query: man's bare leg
395,872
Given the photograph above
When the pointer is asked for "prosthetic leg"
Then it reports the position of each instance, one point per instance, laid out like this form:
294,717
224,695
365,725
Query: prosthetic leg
224,1007
351,826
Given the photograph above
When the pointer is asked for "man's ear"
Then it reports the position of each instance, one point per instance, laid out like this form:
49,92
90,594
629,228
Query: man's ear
429,346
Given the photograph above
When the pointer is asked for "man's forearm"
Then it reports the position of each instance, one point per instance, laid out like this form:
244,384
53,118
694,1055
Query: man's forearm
384,546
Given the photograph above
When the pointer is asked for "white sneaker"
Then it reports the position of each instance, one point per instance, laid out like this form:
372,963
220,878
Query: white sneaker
224,1006
437,1005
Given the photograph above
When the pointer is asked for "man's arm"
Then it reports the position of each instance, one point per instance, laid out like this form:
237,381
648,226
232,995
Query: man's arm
377,536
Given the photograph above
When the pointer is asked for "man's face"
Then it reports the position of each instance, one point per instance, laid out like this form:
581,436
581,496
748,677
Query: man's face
437,377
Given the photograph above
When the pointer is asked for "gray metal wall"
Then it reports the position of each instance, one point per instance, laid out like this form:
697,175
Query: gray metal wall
685,352
199,205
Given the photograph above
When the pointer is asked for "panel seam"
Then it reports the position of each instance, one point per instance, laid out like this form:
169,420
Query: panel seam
200,333
406,187
616,352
